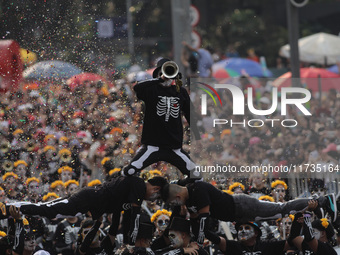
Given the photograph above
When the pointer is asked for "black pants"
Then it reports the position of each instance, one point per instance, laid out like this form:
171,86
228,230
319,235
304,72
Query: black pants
147,155
87,199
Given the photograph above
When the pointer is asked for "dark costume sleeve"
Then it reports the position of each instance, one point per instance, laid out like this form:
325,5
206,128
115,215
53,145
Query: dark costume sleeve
89,237
142,88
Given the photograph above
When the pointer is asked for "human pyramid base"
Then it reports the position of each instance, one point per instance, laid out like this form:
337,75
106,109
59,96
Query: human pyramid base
129,214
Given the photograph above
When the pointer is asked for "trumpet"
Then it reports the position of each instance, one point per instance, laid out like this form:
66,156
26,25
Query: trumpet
170,69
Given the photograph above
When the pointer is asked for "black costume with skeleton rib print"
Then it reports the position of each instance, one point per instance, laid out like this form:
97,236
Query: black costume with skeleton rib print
162,125
162,134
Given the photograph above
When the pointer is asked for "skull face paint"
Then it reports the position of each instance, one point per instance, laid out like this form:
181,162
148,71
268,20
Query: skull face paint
162,222
176,239
245,232
317,233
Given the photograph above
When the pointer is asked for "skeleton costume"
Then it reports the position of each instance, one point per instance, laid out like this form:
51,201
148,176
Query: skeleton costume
162,134
111,197
66,236
225,207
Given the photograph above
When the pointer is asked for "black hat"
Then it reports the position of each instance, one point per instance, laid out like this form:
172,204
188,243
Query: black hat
317,184
159,67
251,223
180,224
146,230
158,181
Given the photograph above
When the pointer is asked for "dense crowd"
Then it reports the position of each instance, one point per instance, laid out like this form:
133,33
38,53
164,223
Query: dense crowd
56,140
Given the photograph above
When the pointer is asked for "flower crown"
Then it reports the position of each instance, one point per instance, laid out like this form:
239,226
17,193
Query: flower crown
159,213
6,175
113,130
56,183
49,147
278,182
324,222
64,168
228,192
115,170
266,197
50,136
104,160
236,185
20,162
29,180
63,139
18,131
156,172
50,194
69,182
94,183
64,151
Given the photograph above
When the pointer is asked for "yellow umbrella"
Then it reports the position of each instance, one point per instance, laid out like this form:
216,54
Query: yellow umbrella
28,57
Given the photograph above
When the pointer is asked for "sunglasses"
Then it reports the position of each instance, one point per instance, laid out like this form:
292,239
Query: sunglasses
163,222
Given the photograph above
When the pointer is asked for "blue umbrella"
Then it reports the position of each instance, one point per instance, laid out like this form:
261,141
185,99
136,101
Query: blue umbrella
334,69
251,67
52,69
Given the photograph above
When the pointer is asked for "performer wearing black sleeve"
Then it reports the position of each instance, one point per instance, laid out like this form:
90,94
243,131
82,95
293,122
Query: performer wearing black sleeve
180,239
317,235
249,242
121,193
162,134
143,241
65,236
203,200
90,244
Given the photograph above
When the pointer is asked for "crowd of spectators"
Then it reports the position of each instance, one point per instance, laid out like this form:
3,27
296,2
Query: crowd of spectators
55,140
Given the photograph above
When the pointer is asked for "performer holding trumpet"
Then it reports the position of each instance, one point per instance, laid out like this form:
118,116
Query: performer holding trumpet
162,134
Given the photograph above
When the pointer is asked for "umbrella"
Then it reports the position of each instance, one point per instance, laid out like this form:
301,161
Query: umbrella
52,69
82,78
334,69
240,65
309,76
320,48
223,73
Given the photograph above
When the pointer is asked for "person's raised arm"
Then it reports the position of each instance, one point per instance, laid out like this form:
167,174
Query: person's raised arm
90,237
189,46
19,239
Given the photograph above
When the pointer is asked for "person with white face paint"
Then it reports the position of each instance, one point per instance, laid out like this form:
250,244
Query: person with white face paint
317,235
279,190
249,243
203,201
121,193
180,240
24,237
161,219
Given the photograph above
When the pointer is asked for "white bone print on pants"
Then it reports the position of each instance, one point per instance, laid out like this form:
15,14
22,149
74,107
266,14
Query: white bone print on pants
168,106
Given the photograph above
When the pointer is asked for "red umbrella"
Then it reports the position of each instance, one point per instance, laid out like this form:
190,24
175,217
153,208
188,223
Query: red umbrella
81,79
310,77
222,73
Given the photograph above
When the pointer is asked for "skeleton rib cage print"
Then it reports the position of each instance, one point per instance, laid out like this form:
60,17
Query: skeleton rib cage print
168,106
